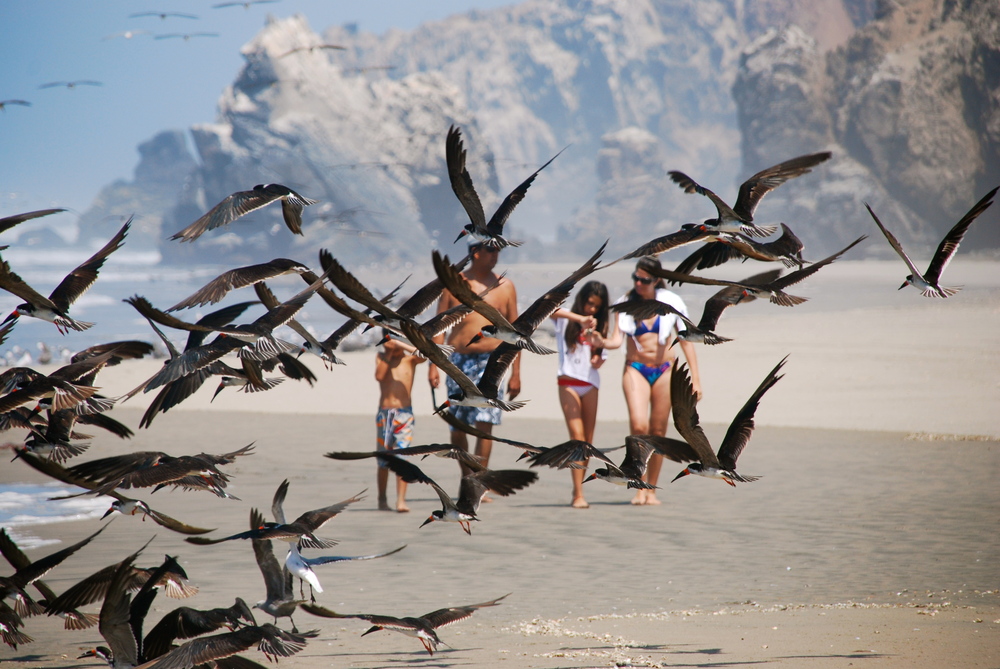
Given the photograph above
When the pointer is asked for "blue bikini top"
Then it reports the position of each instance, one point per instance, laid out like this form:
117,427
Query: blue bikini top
641,328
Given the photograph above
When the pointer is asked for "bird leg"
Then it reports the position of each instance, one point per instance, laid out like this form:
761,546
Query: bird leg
467,526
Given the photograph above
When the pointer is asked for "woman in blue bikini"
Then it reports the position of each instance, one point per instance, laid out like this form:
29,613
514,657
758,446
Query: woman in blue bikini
649,360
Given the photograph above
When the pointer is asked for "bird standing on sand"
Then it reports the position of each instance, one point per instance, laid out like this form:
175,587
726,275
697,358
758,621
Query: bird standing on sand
242,203
929,282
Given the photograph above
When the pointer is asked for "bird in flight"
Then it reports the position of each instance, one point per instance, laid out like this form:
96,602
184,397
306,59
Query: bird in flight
929,283
242,203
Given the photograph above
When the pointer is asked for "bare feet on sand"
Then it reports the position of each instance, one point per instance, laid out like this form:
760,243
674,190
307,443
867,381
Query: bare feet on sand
651,500
640,498
383,504
580,503
401,507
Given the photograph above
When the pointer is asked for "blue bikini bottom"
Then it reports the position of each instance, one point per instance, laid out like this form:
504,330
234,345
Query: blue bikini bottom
650,372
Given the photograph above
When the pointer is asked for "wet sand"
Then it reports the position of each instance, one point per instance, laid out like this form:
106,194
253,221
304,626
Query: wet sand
875,545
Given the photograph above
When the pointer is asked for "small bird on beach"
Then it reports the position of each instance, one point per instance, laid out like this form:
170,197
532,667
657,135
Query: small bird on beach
422,627
739,218
491,233
243,202
696,448
56,306
929,283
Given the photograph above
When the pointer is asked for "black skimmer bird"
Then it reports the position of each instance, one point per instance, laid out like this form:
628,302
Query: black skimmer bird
471,490
8,222
300,531
641,309
440,450
55,307
212,650
519,332
186,623
422,627
443,412
246,4
12,587
929,283
163,16
324,350
469,394
490,234
638,449
739,218
312,49
243,202
176,391
122,616
74,620
169,577
64,388
71,84
725,246
773,290
124,505
696,448
688,234
216,289
144,469
3,107
302,567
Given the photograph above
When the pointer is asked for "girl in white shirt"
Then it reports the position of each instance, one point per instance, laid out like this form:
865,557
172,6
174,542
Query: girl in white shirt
579,362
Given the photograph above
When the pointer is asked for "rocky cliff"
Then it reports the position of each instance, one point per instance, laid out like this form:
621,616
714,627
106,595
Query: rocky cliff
904,93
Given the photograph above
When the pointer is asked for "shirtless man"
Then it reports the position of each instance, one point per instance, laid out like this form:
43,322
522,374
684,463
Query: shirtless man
472,358
394,371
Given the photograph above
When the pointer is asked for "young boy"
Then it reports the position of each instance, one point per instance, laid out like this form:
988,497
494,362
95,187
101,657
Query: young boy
394,368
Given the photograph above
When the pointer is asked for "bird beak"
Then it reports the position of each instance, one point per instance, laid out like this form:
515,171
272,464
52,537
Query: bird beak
905,284
108,513
12,317
475,339
430,519
217,391
460,235
444,407
682,474
89,653
590,478
382,340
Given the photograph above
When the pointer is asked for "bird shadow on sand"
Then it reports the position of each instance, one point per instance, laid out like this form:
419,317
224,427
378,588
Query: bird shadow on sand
443,658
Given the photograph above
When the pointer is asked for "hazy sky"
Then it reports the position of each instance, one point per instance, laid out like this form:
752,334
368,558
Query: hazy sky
72,141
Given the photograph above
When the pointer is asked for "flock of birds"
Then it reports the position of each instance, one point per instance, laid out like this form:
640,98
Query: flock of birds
185,36
68,398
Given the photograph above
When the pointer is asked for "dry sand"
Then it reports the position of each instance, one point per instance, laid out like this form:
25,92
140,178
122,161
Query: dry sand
871,540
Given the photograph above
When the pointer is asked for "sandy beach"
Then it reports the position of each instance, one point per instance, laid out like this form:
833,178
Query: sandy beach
871,539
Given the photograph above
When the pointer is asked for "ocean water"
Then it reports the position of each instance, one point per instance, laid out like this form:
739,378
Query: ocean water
123,276
25,505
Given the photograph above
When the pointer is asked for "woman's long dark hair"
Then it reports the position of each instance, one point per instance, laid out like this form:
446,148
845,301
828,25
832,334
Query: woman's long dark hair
647,263
588,290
